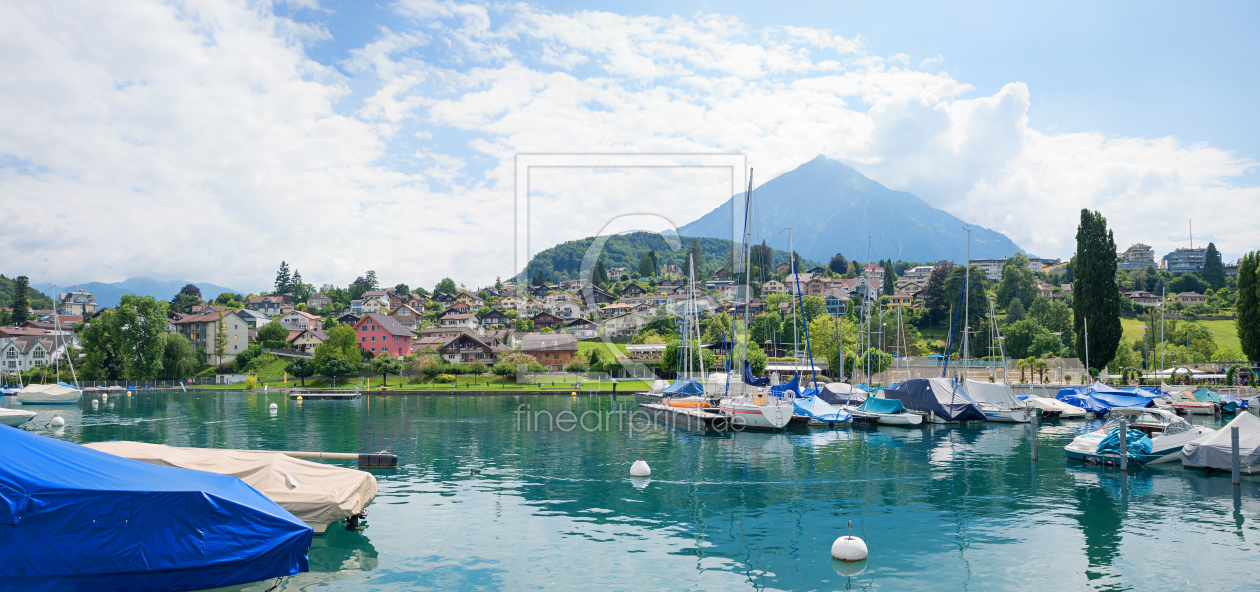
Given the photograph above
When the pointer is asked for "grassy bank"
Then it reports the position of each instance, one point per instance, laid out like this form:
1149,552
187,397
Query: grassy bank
1225,333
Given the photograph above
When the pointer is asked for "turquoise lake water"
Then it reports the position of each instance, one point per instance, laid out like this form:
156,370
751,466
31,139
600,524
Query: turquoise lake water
941,508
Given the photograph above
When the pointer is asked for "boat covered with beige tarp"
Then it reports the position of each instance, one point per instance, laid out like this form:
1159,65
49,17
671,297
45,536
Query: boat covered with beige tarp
315,493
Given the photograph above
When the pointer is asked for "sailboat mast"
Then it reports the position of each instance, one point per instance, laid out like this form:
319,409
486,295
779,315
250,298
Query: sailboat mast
967,306
748,269
796,338
865,312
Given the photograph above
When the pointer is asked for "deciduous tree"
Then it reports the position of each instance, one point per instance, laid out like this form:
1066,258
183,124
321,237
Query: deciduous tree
386,364
1017,281
300,369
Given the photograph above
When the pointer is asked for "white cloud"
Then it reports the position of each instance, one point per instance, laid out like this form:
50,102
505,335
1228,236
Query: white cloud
200,141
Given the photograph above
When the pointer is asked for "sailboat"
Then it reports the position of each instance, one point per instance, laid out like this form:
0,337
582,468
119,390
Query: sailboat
751,406
53,394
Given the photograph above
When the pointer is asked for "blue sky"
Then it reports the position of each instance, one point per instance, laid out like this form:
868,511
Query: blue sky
343,136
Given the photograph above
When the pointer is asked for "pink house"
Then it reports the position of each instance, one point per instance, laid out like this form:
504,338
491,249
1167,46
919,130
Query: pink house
378,333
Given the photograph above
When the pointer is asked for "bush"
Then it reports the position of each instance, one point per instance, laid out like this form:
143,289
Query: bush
576,366
446,378
251,383
275,344
226,368
244,358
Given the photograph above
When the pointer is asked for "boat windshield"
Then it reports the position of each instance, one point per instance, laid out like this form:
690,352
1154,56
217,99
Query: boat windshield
1169,424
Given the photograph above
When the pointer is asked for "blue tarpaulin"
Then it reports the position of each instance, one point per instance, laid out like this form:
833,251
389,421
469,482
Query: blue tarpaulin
751,380
1100,398
791,385
820,410
685,388
1137,446
72,518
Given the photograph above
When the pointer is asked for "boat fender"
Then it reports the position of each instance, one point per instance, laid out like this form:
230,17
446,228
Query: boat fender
640,468
290,481
849,548
380,460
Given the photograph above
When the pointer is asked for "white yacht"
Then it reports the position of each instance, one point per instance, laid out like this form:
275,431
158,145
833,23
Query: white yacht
757,410
998,402
1168,434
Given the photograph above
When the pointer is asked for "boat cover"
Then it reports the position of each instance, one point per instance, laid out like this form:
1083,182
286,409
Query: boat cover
793,385
1102,402
751,380
324,494
686,388
877,405
1137,446
940,396
79,519
993,393
1214,450
839,393
820,410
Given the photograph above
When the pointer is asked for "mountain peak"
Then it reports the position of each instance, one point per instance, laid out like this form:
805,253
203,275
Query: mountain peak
833,208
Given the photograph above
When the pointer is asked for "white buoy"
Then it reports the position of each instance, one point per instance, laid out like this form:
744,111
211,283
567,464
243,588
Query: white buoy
274,407
104,396
640,468
58,421
848,548
95,403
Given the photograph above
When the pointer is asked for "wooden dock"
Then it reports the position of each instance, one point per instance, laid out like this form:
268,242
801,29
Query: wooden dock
691,417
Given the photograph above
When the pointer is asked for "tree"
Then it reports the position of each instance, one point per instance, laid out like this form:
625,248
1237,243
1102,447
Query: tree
645,267
1187,282
977,302
183,303
128,341
1017,281
838,265
477,368
21,300
935,299
342,342
599,275
273,332
220,339
446,286
300,368
386,364
1213,271
696,255
369,280
402,289
191,290
333,367
101,343
179,359
701,359
890,279
874,361
1095,294
765,326
1248,305
1015,312
284,281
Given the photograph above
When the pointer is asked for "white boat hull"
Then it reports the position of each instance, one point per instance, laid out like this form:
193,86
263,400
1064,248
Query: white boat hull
749,415
899,419
1007,415
15,417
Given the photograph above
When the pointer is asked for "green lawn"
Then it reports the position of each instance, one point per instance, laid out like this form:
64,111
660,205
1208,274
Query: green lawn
1225,333
618,350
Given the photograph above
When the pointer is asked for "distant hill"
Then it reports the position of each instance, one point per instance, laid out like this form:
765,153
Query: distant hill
564,261
832,208
109,294
8,291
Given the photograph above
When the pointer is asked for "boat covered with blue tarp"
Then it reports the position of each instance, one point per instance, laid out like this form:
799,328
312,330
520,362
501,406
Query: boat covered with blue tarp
793,386
78,519
1100,398
877,405
817,409
684,388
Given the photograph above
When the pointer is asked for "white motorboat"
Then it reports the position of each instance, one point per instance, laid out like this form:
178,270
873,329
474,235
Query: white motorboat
1051,408
1168,434
48,394
757,410
15,417
997,402
315,493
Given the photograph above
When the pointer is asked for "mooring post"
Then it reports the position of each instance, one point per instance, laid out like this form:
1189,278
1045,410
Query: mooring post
1032,422
1233,456
1124,444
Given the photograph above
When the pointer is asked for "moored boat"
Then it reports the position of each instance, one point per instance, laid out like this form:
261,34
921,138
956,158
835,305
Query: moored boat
1052,408
317,494
997,402
49,394
941,399
15,417
757,410
1167,432
887,412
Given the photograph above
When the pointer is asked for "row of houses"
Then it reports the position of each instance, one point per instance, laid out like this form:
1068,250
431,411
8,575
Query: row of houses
33,344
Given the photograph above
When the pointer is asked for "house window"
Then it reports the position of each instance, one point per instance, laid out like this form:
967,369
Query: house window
12,354
365,340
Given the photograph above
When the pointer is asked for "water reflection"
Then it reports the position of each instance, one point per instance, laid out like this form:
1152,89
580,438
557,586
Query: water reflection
941,507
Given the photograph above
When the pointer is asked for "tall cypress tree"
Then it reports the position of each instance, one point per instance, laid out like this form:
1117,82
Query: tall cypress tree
1094,292
1213,271
21,300
890,278
1248,322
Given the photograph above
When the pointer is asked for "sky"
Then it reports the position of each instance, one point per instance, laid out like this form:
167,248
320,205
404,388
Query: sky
208,140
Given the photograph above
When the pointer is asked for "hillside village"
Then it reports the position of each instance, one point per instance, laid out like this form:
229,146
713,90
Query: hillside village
455,329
